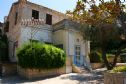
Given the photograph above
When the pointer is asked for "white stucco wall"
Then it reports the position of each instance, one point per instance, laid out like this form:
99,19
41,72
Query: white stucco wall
59,37
72,37
42,34
69,39
71,42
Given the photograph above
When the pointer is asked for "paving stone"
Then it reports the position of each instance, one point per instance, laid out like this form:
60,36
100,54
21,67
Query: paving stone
95,77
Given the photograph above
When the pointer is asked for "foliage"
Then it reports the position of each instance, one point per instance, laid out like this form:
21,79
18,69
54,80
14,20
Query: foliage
101,24
113,45
40,56
94,46
3,40
91,13
123,57
119,69
95,57
123,50
3,47
109,55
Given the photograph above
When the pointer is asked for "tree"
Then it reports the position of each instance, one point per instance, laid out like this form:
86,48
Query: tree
100,24
3,47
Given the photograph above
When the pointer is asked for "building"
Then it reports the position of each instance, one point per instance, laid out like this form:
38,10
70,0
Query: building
1,27
56,29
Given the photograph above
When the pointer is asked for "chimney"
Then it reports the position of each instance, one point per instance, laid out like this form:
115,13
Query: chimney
22,1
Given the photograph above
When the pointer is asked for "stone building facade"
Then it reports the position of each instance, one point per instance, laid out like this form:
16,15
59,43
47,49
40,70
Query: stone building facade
56,29
1,27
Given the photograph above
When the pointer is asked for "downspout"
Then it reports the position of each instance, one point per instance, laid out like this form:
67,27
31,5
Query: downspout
68,42
87,57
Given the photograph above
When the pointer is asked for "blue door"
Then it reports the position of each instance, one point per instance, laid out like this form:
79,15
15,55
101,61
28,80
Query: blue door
77,55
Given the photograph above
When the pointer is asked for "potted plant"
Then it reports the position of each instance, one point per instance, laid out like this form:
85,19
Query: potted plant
115,76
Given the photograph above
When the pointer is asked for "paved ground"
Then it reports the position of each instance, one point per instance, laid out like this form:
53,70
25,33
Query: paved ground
96,77
0,79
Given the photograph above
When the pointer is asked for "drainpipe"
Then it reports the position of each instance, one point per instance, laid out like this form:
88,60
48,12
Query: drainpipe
87,57
68,42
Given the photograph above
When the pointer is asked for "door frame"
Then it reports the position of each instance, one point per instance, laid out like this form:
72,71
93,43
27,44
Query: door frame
75,57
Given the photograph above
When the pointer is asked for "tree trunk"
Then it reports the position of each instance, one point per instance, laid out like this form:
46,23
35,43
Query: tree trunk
104,57
116,57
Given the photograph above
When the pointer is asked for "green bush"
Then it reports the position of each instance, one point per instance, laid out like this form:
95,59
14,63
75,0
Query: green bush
95,57
40,56
119,69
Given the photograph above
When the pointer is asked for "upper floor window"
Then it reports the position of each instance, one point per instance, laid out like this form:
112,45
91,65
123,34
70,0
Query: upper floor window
48,19
35,14
16,16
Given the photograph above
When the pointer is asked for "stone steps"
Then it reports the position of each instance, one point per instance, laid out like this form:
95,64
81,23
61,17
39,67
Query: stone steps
84,70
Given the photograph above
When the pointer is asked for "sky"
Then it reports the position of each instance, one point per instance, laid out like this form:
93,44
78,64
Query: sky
59,5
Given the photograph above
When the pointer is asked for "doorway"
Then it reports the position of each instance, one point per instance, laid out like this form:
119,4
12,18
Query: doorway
77,56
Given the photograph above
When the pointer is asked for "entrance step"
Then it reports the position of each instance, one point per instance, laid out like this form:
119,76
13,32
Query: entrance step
84,70
81,69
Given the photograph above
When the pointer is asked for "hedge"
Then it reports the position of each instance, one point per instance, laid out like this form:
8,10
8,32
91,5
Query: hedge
40,56
119,69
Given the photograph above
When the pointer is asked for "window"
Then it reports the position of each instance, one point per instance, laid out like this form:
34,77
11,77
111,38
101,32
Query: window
16,16
35,14
48,19
59,46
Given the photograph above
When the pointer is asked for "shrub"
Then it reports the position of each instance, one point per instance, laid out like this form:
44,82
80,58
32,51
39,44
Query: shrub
119,69
95,57
40,56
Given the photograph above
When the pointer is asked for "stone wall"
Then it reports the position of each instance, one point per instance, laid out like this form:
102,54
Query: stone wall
9,69
97,65
12,69
120,64
14,31
114,78
36,73
110,59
